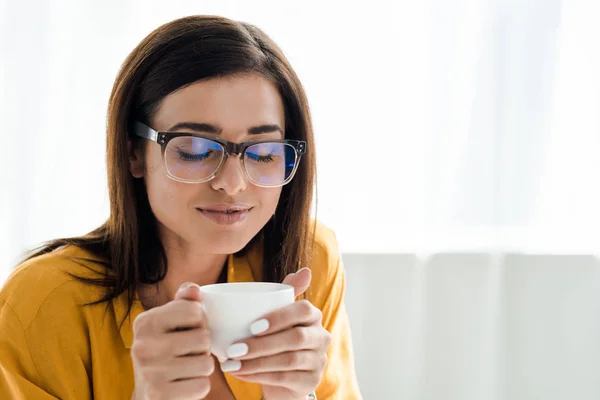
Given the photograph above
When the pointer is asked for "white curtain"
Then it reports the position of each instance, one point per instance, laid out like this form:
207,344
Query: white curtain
442,126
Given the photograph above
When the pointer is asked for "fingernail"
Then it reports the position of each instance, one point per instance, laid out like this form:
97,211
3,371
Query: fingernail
237,350
301,269
259,327
231,365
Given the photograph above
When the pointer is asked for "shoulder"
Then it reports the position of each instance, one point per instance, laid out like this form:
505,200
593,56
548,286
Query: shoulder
47,282
325,243
326,266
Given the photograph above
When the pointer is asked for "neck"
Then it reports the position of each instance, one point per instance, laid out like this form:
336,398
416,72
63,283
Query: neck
185,265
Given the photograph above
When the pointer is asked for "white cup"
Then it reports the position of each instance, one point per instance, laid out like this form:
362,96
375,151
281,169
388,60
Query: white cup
232,307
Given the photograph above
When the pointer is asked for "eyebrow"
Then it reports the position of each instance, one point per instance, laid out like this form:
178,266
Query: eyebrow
209,128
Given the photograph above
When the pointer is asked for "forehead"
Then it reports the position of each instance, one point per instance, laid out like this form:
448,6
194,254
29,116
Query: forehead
233,103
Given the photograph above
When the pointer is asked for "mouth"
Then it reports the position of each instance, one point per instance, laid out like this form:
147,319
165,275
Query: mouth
225,214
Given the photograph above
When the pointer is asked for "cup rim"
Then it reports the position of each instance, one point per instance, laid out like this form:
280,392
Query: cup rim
276,288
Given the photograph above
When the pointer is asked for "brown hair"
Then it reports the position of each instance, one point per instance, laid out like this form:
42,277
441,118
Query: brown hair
177,54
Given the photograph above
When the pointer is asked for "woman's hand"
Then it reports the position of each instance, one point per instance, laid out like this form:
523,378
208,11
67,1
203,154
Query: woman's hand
287,355
171,349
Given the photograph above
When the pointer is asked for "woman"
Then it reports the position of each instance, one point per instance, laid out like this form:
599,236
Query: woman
211,162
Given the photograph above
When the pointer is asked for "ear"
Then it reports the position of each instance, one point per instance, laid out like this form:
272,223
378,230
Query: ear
136,159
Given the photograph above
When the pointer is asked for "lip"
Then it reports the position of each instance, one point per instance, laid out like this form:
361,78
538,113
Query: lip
225,207
225,214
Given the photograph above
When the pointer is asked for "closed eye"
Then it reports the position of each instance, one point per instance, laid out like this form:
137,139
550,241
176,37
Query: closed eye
193,157
260,158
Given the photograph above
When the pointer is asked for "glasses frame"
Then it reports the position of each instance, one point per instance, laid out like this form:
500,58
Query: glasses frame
164,137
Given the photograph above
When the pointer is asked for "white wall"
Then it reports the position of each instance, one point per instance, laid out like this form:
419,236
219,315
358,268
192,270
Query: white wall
475,326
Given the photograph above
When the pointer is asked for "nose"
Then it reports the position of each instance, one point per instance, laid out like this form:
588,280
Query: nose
230,178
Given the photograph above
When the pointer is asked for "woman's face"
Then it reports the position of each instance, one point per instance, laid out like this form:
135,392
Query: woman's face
188,213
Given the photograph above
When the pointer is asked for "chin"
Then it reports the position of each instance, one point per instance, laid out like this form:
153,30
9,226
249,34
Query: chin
223,242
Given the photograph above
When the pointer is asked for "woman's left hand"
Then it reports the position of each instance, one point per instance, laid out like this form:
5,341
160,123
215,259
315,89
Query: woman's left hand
288,357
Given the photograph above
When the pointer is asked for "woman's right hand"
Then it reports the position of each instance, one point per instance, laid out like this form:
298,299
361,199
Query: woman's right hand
171,349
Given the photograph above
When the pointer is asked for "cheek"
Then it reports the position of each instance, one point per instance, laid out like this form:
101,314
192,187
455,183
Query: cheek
269,199
156,181
165,195
153,162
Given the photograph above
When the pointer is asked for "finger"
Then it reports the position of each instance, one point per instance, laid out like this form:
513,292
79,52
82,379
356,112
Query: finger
188,342
189,291
177,314
300,281
295,339
293,380
299,313
196,388
170,345
189,367
304,360
181,314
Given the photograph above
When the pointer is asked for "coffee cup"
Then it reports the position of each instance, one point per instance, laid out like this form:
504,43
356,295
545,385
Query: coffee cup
232,307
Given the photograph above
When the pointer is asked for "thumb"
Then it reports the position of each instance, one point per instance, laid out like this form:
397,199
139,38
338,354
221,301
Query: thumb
300,281
189,291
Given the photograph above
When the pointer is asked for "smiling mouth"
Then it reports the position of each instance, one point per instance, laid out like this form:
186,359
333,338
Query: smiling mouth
226,215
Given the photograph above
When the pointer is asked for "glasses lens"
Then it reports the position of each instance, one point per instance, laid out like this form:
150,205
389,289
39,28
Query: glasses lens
192,158
270,164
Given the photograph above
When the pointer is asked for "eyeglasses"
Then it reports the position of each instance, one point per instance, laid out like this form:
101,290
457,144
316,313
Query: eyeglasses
196,158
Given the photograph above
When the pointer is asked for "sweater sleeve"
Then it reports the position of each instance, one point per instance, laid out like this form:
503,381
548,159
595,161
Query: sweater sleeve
41,360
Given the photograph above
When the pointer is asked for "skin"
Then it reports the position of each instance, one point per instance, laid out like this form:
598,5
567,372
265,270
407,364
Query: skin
289,358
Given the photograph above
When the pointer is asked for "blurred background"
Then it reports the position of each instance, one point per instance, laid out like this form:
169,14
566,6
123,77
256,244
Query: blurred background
458,146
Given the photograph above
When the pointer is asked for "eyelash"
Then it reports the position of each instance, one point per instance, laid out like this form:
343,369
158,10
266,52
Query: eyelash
193,157
258,158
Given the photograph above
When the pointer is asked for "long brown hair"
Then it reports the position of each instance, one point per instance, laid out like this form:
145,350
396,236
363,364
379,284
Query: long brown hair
177,54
